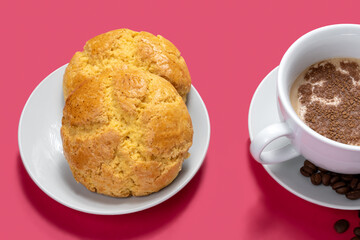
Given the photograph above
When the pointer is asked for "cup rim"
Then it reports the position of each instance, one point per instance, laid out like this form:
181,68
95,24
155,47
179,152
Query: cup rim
286,102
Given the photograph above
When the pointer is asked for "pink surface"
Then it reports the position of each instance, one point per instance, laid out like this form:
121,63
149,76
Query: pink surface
229,47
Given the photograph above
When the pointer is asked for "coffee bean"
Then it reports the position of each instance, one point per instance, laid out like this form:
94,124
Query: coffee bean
316,179
325,179
334,179
355,238
353,195
354,183
357,231
309,170
346,177
309,164
342,190
304,173
341,225
338,185
347,184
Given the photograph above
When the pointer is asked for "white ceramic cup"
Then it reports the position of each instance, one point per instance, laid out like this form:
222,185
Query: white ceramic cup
342,40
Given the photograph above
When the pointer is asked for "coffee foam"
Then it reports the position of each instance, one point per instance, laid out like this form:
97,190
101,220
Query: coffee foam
319,96
299,108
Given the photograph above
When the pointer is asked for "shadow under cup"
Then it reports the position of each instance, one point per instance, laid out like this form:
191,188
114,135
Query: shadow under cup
335,41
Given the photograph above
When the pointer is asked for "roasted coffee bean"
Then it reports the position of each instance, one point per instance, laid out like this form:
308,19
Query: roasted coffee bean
334,179
353,195
338,185
309,164
341,225
355,238
316,179
304,173
346,177
342,183
325,179
342,190
354,183
309,170
357,231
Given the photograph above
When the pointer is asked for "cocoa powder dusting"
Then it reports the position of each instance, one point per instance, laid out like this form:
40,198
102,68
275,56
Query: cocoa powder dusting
331,96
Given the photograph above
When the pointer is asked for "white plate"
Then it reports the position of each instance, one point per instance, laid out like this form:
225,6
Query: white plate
263,112
42,153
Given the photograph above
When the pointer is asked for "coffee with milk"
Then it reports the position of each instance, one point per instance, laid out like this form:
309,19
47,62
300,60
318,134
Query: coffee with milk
326,96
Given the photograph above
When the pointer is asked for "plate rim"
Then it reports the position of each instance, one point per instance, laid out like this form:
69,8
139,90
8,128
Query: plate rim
116,212
268,168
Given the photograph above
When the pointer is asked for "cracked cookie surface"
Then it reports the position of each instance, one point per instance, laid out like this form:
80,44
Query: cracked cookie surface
122,49
125,132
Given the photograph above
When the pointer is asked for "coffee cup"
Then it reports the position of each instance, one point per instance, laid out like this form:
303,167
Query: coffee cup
334,41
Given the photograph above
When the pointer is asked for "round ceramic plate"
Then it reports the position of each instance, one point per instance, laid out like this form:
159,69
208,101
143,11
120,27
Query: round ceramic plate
263,112
42,153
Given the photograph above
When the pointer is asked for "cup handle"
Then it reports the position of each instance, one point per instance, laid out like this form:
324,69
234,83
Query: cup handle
266,136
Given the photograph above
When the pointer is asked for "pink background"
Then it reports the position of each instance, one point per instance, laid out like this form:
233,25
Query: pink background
229,47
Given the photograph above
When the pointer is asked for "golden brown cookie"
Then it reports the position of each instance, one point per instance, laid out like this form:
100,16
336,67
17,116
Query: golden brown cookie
125,133
122,49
